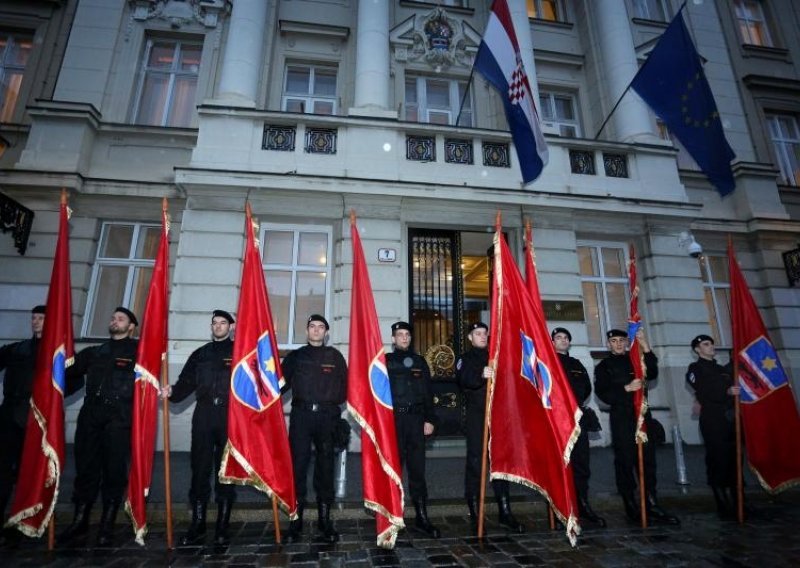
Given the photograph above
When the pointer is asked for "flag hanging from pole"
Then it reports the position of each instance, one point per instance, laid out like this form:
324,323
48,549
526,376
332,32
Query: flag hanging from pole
635,352
769,411
500,62
150,356
369,401
257,452
42,458
524,444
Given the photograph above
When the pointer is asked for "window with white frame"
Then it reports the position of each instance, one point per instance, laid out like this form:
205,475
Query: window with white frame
753,26
168,84
15,50
785,134
437,101
651,10
310,89
551,10
297,267
560,110
122,272
717,291
604,279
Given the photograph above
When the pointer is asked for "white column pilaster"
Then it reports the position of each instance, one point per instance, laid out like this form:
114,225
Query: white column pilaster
242,58
372,60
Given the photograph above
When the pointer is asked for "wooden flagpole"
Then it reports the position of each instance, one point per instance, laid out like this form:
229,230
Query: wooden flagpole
642,496
165,421
737,414
276,519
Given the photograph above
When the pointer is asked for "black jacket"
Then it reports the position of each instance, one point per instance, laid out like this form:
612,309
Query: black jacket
316,374
208,372
108,372
19,361
410,381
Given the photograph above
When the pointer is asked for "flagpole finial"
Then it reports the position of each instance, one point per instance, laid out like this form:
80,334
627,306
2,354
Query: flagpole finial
498,220
164,204
352,217
247,209
63,196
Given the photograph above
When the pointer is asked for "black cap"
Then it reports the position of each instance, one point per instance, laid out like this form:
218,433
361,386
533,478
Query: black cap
38,309
222,314
563,330
317,317
128,313
476,325
401,325
700,338
616,333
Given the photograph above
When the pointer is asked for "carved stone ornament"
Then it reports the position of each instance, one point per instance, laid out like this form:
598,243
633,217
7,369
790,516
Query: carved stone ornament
437,39
181,12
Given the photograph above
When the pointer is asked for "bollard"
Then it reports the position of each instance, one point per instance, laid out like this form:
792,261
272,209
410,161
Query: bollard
680,462
341,478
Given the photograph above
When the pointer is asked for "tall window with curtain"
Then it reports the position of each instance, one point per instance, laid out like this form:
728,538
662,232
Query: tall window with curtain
15,50
717,291
604,279
785,134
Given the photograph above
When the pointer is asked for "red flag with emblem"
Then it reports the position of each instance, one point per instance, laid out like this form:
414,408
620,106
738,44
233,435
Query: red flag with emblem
42,459
769,411
525,446
635,352
369,401
150,356
257,452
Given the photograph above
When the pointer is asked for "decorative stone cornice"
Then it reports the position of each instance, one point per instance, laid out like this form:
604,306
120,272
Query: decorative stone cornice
180,13
437,39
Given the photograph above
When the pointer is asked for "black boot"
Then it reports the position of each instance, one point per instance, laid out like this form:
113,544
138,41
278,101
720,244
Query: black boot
324,523
105,534
724,505
586,513
296,526
505,517
422,522
80,523
197,530
221,537
656,514
472,509
632,509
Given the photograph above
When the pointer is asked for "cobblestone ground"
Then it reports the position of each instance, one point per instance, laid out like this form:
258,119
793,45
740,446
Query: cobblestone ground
767,539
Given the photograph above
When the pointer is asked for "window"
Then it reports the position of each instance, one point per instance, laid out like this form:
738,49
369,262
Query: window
437,101
551,10
559,110
310,89
717,289
651,10
297,267
752,24
15,49
169,83
785,134
604,279
122,272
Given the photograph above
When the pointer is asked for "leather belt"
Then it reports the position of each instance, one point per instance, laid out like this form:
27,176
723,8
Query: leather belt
409,408
314,406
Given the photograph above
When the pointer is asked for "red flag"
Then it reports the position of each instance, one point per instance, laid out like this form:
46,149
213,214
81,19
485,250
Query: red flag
150,355
43,451
635,352
769,411
257,452
524,445
369,400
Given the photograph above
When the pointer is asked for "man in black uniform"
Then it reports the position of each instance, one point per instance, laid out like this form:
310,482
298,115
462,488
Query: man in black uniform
581,385
317,376
615,384
472,372
103,434
207,372
18,360
412,397
713,387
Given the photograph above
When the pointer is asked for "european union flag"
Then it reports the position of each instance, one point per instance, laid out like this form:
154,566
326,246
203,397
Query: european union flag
672,83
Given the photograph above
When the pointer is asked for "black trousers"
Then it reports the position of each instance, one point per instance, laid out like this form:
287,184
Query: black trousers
626,457
102,451
411,447
209,436
580,465
11,439
472,472
306,429
719,436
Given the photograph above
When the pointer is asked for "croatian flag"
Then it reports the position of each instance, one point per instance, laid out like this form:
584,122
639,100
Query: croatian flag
500,63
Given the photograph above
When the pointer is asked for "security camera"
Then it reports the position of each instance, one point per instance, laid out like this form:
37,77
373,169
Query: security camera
695,250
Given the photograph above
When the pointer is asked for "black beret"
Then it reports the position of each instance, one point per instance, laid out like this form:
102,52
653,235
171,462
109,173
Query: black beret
317,317
38,309
476,325
222,314
616,333
401,325
700,338
128,313
563,330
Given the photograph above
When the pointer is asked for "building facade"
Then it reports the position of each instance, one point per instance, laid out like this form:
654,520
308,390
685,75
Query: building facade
309,109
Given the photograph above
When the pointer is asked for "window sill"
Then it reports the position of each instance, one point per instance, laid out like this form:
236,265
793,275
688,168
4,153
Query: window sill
776,53
651,23
552,23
